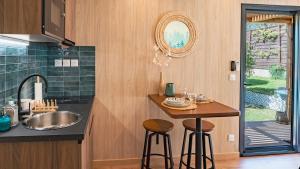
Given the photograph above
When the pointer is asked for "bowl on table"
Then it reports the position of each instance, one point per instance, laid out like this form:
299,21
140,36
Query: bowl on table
201,97
177,102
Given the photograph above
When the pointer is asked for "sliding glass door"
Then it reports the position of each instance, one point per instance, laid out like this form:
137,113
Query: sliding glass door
268,120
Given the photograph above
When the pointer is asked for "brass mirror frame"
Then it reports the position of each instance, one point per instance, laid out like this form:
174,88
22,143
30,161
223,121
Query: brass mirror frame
159,34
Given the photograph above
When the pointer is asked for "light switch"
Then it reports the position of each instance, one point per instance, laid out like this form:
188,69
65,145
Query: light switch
232,77
230,137
66,63
58,63
74,62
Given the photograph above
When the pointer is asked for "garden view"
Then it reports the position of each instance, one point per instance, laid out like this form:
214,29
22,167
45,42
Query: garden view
266,71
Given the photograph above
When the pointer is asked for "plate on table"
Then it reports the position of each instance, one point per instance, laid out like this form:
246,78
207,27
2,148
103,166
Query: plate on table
176,102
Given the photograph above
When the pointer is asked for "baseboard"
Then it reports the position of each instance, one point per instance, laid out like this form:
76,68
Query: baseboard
102,163
227,156
134,161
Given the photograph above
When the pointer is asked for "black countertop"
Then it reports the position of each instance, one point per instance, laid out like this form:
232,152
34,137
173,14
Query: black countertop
81,105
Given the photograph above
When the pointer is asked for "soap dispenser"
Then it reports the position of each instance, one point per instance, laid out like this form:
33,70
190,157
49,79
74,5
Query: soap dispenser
5,122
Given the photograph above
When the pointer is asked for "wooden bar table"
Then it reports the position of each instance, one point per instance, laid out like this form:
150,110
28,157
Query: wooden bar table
205,110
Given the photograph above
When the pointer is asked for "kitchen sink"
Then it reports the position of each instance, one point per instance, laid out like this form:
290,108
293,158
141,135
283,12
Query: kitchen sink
52,120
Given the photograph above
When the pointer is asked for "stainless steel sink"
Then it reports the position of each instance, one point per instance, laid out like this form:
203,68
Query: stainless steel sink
52,120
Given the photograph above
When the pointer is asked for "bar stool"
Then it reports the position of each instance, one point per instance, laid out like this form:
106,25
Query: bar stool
157,127
190,125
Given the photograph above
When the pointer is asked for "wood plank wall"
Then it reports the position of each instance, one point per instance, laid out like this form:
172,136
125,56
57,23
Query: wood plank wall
123,33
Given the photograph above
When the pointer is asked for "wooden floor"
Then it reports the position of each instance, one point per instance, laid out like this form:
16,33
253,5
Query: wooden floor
262,162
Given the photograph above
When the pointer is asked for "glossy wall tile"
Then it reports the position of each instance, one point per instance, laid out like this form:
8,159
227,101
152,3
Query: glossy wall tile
72,81
18,62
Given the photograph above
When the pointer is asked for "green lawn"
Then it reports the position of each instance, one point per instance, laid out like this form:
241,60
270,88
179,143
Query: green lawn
264,85
259,114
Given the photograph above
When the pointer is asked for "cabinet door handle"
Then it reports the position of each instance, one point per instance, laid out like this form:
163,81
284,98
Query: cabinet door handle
91,126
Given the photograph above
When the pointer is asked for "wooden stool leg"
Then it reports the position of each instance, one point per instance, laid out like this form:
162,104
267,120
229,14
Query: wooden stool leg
211,152
166,152
182,149
188,166
144,151
204,152
149,151
170,151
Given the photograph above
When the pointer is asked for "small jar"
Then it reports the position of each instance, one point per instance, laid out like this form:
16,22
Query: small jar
5,122
11,109
170,90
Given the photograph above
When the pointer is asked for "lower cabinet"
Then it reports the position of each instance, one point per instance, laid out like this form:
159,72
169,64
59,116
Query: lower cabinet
65,154
87,145
41,155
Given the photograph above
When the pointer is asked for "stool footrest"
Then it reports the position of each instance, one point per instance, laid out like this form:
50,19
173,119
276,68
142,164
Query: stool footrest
195,154
156,154
168,159
187,162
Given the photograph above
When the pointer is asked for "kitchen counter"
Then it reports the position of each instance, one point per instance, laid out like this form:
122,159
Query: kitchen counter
81,105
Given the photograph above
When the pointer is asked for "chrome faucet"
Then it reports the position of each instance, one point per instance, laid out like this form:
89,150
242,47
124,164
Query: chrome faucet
20,89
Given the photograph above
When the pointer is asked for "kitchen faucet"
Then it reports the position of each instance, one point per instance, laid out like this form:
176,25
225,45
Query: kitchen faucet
20,89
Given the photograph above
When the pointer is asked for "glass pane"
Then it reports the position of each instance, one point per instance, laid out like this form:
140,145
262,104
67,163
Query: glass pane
55,14
268,80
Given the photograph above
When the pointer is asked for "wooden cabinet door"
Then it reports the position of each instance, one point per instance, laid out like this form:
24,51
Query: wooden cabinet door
26,155
54,18
66,155
70,20
86,146
20,17
83,154
90,144
40,155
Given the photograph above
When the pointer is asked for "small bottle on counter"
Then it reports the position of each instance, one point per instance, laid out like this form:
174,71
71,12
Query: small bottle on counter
5,122
11,109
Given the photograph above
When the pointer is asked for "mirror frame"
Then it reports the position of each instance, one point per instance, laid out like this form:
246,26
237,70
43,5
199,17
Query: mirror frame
159,34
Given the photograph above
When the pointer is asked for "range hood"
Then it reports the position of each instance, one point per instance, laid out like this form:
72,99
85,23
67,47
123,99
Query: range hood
30,38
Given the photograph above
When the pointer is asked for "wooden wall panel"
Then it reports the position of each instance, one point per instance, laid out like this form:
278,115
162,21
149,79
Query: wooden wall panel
123,33
70,20
85,23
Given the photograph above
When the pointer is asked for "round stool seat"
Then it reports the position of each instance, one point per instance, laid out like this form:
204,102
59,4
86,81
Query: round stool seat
158,125
190,124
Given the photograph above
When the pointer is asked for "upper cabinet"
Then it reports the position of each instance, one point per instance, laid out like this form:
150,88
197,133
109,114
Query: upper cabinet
20,16
54,18
38,20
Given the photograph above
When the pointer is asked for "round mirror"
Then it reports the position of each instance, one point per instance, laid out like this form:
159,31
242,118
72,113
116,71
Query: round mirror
176,34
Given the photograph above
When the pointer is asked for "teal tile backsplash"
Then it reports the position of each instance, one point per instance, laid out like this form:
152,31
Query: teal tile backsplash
71,81
18,62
